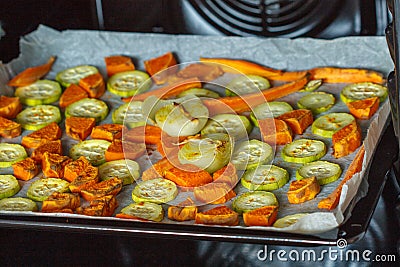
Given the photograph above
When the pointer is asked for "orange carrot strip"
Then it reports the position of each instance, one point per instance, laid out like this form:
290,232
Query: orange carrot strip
289,76
332,200
31,75
168,91
346,75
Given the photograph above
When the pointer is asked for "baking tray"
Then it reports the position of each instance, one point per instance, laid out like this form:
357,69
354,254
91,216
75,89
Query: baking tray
349,230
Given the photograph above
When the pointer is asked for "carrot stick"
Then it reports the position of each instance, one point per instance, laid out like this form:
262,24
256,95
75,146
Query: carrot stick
168,91
289,76
245,102
31,75
344,75
332,200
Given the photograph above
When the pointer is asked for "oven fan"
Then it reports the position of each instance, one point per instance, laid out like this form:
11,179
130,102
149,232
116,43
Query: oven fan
285,18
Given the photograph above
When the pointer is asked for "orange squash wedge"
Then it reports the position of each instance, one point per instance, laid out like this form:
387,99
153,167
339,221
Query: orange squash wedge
9,128
72,94
79,128
274,131
303,190
9,106
25,169
264,216
221,215
298,120
50,132
117,63
346,140
93,84
184,211
160,68
365,108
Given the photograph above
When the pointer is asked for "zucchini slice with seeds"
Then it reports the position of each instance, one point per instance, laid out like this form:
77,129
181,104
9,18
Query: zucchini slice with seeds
317,102
265,177
39,93
129,83
9,186
325,172
328,124
253,200
303,151
10,154
157,190
37,117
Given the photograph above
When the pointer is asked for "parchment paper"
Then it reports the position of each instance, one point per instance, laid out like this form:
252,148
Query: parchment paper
75,47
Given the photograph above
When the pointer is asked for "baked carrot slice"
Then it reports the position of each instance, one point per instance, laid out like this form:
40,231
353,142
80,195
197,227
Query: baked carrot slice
25,169
9,106
168,91
242,66
108,132
244,103
9,128
221,215
181,176
53,165
303,190
107,187
332,200
72,94
79,128
147,134
103,206
184,211
264,216
124,150
160,68
75,168
346,140
214,193
289,76
31,75
204,72
298,120
93,84
50,132
54,147
346,75
117,63
364,109
274,131
60,201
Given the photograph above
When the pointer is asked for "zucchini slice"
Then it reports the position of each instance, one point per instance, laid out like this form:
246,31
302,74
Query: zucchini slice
317,102
288,220
10,154
199,92
129,114
250,154
41,189
88,108
253,200
303,151
37,117
129,83
325,172
269,110
359,91
145,210
125,169
328,124
157,190
73,75
246,84
236,126
18,204
93,150
9,186
312,85
265,177
39,93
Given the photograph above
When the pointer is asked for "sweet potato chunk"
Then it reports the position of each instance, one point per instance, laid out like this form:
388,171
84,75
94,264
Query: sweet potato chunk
9,129
25,169
72,94
108,132
184,211
214,193
75,168
221,215
86,179
79,128
93,84
50,132
103,206
54,147
53,165
108,187
365,108
227,175
264,216
346,140
61,201
185,178
298,120
303,190
148,134
274,131
124,149
161,67
9,107
204,72
117,63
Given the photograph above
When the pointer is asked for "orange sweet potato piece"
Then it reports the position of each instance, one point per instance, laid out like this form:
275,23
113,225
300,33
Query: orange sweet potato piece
61,201
183,177
25,169
108,132
79,128
54,147
148,134
298,120
117,63
85,179
75,168
184,211
221,215
103,206
346,140
93,84
50,132
303,190
264,216
345,75
124,149
161,67
214,193
227,175
365,108
107,187
289,76
168,91
9,106
274,131
32,74
158,169
53,165
204,72
332,200
9,128
244,103
72,94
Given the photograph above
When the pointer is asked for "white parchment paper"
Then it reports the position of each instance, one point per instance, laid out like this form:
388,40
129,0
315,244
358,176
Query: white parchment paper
75,47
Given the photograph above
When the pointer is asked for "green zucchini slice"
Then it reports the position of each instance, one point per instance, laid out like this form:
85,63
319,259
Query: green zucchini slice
10,154
129,114
253,200
317,102
359,91
325,172
303,151
75,74
41,189
88,108
268,110
145,210
18,204
93,150
250,154
328,124
199,92
265,177
236,126
37,117
157,190
129,83
9,186
125,169
39,93
246,84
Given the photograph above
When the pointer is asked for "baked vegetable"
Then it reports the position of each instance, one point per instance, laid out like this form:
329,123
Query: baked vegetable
157,190
221,215
41,189
328,124
129,83
345,75
264,216
93,150
160,68
129,114
54,147
253,200
118,63
246,84
93,84
199,92
74,74
50,132
86,178
9,128
108,132
203,72
214,193
288,220
75,168
39,93
184,211
359,91
250,154
72,94
79,128
265,177
9,106
147,134
104,188
303,151
103,206
145,211
236,126
227,175
317,102
9,186
53,165
10,154
346,140
37,117
125,169
25,169
18,204
88,108
268,110
60,202
364,109
275,132
325,172
303,190
124,150
298,120
188,176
